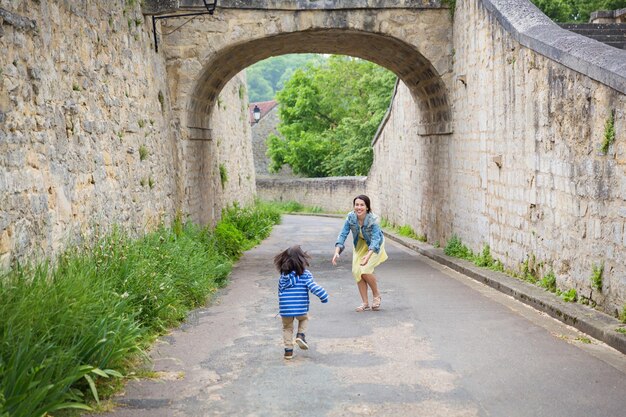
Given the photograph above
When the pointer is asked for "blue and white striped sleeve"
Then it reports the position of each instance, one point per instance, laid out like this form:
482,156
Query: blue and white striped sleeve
316,289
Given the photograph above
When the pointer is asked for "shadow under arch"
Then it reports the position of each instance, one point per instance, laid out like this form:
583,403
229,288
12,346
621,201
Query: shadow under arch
416,71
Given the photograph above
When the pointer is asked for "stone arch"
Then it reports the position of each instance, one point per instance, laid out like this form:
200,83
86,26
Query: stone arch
415,70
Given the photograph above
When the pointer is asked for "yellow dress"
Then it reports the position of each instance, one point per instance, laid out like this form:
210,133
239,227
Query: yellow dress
375,260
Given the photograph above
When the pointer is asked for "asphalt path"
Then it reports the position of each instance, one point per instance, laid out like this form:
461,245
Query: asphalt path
441,345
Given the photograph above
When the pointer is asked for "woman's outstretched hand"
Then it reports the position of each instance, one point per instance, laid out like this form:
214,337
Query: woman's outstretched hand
366,258
335,259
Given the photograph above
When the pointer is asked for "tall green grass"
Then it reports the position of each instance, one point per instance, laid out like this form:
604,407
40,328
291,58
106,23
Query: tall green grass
67,328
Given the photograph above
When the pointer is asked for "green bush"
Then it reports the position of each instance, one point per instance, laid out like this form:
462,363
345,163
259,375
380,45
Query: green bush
456,248
66,328
408,231
484,259
548,282
570,296
229,239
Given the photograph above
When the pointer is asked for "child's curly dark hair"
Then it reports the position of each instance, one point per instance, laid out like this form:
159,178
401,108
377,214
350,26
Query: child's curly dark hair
292,259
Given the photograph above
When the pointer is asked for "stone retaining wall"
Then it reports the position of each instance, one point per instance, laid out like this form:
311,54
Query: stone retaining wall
523,171
333,194
87,136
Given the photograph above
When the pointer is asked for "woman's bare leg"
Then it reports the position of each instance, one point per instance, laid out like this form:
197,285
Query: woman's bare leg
363,290
370,280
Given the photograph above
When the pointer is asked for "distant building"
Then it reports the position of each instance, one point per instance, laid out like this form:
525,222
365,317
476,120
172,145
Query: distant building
608,16
264,106
261,130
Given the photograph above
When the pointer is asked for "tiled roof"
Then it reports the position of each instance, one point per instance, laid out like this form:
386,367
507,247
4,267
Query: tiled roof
265,106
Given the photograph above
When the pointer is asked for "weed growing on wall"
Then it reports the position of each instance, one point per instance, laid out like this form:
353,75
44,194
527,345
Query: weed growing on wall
223,175
456,248
161,100
570,296
70,330
609,133
596,277
404,230
548,282
143,153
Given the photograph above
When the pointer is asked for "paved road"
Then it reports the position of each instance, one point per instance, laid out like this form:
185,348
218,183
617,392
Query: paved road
442,345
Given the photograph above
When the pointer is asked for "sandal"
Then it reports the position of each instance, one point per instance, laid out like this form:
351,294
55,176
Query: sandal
376,303
362,308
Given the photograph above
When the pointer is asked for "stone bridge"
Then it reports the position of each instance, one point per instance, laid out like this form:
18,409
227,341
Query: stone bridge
505,129
411,38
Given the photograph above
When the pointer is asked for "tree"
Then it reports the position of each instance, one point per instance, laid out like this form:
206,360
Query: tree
576,10
259,89
266,77
329,114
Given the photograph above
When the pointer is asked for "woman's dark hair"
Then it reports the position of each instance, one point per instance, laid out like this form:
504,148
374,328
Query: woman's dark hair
365,198
292,259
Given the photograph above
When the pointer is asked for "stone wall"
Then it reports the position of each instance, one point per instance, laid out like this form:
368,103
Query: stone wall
523,171
260,132
608,16
402,179
87,136
333,194
219,170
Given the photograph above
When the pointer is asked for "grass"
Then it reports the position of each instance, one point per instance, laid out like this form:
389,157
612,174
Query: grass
407,231
71,329
529,271
456,248
293,207
404,230
143,153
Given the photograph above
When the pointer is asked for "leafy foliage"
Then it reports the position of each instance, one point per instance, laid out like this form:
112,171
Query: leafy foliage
609,133
267,77
548,282
596,277
67,328
456,248
569,296
329,114
576,10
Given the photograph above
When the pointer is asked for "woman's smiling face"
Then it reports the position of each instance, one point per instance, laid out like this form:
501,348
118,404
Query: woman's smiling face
360,208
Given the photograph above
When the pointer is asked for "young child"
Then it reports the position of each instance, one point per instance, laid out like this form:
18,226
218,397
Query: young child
293,294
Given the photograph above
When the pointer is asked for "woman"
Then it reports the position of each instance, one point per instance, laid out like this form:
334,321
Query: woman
369,249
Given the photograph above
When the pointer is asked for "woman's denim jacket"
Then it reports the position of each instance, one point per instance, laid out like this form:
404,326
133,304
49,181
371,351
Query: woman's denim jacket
372,233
